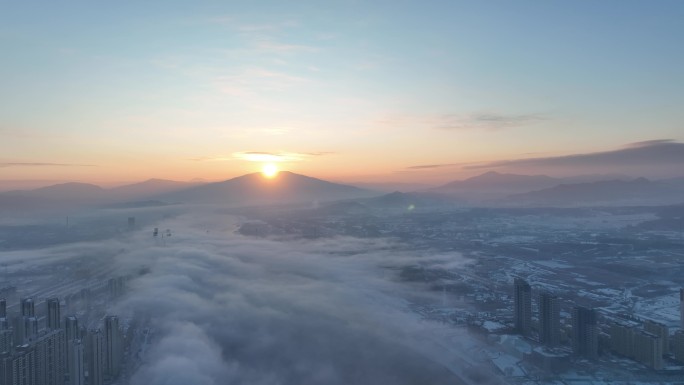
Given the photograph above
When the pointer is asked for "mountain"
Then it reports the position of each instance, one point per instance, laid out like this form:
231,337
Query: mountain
388,187
255,189
492,185
148,188
63,192
72,195
68,191
409,201
614,192
676,182
64,195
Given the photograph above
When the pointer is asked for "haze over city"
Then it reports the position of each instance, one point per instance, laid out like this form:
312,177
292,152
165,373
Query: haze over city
342,192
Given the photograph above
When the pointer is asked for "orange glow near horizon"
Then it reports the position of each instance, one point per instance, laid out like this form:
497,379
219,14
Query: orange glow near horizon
269,170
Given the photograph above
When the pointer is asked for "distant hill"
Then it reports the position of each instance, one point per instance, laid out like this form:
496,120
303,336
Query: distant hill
71,195
68,191
148,188
613,192
676,182
343,208
405,201
255,189
63,195
388,187
493,185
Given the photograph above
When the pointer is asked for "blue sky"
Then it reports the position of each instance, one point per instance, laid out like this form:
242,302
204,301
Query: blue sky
344,90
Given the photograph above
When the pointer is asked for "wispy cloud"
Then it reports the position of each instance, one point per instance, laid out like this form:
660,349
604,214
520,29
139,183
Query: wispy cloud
649,143
238,24
661,152
42,164
432,166
263,156
269,45
487,121
478,121
261,36
253,80
258,156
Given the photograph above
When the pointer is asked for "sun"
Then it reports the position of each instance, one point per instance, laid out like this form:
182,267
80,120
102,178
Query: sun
269,170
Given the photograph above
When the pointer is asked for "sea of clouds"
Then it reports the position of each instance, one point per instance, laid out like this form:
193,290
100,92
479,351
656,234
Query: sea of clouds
230,309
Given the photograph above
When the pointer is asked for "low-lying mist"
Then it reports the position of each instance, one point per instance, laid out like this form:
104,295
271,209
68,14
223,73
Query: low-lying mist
231,309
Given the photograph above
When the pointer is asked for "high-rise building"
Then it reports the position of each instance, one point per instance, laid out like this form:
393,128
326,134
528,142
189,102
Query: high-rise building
678,345
28,308
95,357
648,349
25,329
5,368
71,328
116,286
50,358
622,339
113,346
549,319
522,302
662,331
71,333
681,307
584,332
18,327
53,315
3,308
20,367
76,366
6,341
31,328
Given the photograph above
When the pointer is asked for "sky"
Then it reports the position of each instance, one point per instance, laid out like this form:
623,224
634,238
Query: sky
342,90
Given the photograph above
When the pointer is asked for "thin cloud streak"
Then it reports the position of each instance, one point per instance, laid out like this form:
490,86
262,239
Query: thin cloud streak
258,156
269,45
477,121
662,152
264,156
433,166
255,80
488,121
42,164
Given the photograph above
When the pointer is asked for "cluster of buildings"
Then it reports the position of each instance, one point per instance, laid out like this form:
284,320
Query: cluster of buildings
647,342
61,352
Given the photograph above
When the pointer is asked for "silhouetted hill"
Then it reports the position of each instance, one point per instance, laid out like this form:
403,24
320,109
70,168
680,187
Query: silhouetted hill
255,189
676,182
388,187
493,184
68,191
614,192
64,195
343,208
148,188
404,201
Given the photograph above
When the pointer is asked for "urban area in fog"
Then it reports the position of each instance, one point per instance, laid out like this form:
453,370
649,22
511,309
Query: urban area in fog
431,286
